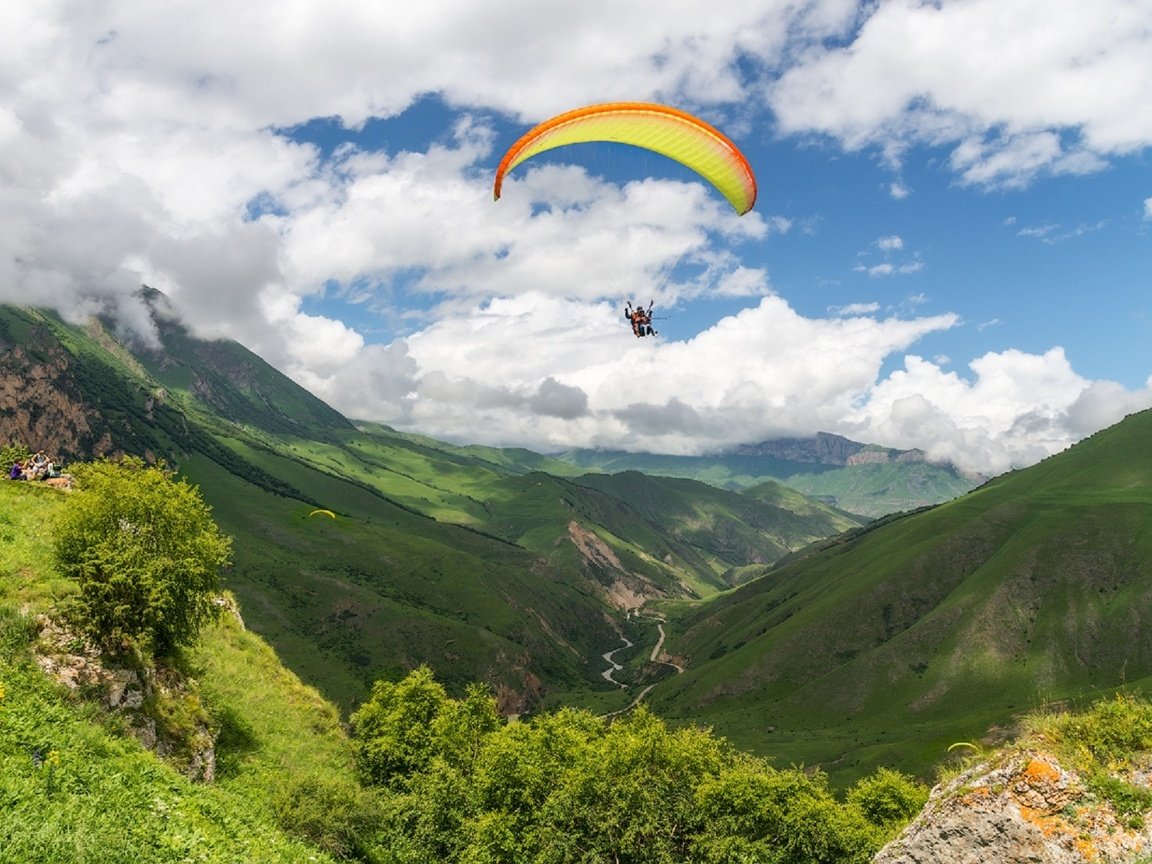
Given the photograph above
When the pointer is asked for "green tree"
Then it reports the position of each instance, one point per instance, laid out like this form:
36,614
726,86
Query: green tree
459,731
752,812
629,797
146,553
572,788
522,764
394,727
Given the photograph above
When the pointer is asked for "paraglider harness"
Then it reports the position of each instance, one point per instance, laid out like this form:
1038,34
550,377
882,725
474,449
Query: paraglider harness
641,319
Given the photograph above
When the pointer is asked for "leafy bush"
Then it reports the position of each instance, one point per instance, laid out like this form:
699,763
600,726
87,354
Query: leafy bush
888,798
571,787
1102,743
753,812
393,728
1111,730
146,554
11,453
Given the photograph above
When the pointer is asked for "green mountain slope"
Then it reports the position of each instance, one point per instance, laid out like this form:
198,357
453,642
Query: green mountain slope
728,528
230,381
934,627
469,559
75,787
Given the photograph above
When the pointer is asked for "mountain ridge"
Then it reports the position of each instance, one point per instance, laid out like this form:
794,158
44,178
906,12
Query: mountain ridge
865,479
465,558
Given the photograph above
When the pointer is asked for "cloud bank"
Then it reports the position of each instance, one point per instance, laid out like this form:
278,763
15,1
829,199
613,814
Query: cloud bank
160,144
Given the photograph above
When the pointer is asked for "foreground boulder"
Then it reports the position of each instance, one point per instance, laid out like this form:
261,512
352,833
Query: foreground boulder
1024,806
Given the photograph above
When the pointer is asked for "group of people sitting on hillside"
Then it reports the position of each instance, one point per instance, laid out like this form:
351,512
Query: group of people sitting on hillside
38,467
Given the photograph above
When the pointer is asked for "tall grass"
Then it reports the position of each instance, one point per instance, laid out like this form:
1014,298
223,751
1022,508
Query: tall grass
74,790
28,578
1108,743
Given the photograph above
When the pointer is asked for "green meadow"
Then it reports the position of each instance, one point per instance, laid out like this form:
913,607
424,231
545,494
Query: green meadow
76,788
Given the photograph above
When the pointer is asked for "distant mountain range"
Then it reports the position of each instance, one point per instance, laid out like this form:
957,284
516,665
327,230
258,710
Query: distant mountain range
866,479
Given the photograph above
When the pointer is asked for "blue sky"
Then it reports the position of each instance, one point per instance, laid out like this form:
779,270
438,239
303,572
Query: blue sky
951,248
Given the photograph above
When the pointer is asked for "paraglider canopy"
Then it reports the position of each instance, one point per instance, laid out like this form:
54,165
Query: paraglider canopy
660,128
327,513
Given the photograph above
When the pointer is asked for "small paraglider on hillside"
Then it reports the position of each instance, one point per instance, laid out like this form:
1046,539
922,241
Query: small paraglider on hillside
327,513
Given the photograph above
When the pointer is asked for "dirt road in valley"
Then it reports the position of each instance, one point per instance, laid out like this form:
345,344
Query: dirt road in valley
614,667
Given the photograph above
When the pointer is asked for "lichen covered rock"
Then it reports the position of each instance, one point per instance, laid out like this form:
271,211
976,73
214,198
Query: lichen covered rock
1020,807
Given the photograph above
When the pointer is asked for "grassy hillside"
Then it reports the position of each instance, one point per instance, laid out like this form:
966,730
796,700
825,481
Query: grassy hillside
290,787
469,559
511,583
936,627
76,789
380,589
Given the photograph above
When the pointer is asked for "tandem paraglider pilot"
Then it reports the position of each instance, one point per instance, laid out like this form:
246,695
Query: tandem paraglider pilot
641,319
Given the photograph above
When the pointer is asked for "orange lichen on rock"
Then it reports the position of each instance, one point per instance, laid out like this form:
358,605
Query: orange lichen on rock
1087,848
1039,771
1020,806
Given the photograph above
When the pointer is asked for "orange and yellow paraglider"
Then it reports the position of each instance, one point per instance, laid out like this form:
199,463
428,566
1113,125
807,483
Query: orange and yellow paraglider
668,131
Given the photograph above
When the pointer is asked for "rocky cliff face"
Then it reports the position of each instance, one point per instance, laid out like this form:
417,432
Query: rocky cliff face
1022,806
79,392
143,694
79,405
827,449
36,408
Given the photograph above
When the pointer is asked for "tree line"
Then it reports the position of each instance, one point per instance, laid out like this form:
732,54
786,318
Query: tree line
458,784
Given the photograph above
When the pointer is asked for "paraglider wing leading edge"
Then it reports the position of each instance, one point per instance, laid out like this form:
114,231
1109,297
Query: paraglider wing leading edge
668,131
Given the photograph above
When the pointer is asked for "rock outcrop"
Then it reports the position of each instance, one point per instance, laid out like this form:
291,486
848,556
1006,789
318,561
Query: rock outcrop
1021,807
138,695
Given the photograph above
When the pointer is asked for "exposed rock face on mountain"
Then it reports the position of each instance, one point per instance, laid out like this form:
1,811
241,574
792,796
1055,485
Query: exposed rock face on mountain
78,395
1020,807
37,404
826,449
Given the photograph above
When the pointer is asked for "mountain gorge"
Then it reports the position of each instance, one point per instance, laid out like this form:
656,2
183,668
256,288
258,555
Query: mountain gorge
791,627
501,566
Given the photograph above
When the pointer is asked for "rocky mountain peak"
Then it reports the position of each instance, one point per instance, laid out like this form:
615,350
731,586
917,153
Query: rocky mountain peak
824,448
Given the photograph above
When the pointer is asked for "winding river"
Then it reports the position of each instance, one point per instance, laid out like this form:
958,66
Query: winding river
614,667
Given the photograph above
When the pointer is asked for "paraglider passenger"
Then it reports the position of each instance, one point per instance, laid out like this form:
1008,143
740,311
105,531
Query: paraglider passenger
640,318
